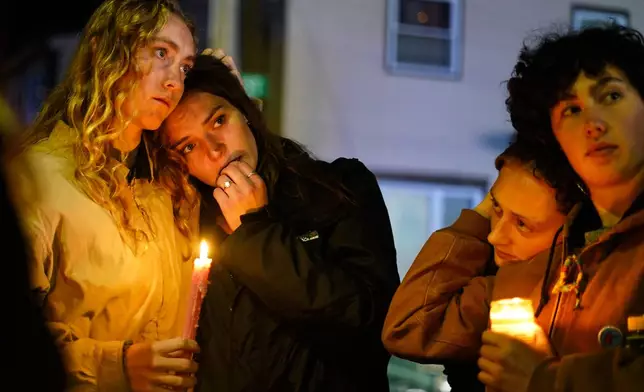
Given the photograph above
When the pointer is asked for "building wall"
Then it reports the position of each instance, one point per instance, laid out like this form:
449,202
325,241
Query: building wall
340,101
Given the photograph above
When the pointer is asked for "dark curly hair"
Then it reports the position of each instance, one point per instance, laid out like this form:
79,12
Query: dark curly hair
546,71
539,161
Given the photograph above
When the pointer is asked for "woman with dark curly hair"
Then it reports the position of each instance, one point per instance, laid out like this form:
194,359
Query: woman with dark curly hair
516,221
579,95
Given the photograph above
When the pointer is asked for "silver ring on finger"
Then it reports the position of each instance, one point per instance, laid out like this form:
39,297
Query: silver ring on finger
227,184
249,175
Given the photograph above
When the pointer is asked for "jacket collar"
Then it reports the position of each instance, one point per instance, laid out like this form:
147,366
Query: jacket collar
139,162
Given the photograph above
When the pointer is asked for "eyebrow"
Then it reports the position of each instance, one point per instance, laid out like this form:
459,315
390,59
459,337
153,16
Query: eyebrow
532,221
178,142
208,118
173,45
212,114
602,82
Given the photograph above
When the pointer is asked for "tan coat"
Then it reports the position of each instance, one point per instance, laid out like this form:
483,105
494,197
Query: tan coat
97,291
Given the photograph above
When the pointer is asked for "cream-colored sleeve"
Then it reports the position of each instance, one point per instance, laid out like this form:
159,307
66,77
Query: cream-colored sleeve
91,365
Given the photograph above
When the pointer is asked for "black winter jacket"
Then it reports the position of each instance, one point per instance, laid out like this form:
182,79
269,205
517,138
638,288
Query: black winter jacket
299,292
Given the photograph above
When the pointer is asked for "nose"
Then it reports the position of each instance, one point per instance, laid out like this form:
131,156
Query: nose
594,127
499,234
173,80
215,146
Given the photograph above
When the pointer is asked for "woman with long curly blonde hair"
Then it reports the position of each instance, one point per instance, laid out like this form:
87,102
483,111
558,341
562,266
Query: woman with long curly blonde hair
110,229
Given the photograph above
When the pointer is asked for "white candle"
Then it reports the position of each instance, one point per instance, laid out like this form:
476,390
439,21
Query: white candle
198,287
514,317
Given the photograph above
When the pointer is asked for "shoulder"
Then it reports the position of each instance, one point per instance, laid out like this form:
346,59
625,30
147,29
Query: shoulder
39,179
357,179
351,167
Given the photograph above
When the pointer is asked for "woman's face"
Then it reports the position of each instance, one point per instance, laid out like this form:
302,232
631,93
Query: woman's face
525,216
211,133
600,127
163,64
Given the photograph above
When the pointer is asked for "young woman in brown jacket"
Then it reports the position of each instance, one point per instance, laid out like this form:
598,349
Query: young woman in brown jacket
516,221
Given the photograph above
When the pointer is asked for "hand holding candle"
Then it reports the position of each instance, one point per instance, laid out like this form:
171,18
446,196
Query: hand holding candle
198,289
513,348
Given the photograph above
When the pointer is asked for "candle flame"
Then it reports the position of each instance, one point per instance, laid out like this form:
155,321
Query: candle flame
203,250
203,261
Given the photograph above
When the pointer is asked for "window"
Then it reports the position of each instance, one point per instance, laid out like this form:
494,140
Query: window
425,38
583,16
417,207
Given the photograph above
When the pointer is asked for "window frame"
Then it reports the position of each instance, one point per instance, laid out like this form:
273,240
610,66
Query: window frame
455,35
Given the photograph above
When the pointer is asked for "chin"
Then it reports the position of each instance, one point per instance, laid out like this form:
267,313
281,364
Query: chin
603,178
151,123
152,126
503,262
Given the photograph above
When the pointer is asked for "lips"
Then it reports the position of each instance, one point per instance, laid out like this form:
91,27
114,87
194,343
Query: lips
599,149
503,255
163,100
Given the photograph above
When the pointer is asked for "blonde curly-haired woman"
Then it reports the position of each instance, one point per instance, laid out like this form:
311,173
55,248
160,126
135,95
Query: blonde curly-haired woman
110,229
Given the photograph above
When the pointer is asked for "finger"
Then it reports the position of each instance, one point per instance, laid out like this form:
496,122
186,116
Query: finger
495,338
170,345
159,388
230,63
487,379
224,182
239,177
175,381
177,365
178,354
208,52
490,367
245,168
218,53
493,353
220,196
255,178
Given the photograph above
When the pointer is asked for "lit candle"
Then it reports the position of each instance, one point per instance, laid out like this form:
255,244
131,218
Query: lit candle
198,289
514,317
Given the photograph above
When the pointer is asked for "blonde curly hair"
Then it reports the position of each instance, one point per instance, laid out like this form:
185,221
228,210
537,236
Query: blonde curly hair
90,101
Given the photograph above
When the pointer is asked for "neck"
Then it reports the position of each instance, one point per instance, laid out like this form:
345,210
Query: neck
611,202
129,139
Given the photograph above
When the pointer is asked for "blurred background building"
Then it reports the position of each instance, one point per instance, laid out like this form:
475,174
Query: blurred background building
413,88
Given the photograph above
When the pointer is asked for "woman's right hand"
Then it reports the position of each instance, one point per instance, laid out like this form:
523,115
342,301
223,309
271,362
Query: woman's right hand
162,365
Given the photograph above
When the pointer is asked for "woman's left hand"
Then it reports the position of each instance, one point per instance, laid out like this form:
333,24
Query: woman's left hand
219,54
239,191
507,363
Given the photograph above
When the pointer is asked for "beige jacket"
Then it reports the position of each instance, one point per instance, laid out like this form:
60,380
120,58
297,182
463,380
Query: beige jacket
97,291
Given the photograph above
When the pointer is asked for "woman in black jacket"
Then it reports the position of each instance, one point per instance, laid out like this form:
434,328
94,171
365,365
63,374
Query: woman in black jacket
305,267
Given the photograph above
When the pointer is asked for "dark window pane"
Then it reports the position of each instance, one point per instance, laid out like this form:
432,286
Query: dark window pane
425,13
424,50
